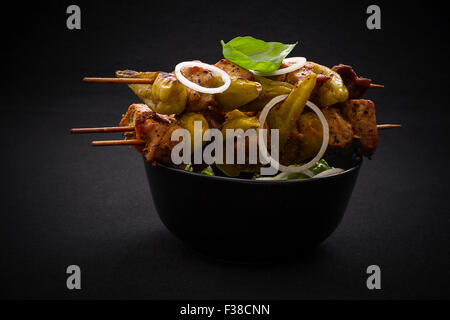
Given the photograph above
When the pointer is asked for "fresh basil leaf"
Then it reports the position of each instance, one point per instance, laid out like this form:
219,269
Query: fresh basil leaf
254,54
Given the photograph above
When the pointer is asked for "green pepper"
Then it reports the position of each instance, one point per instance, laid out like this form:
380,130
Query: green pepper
143,91
187,122
168,94
135,74
238,120
270,90
239,93
285,116
331,92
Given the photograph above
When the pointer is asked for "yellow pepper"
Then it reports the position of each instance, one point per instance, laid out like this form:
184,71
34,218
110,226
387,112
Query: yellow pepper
331,92
285,116
187,121
270,89
168,94
238,120
143,91
239,93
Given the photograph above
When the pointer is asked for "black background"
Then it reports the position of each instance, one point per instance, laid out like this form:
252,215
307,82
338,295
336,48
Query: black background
65,203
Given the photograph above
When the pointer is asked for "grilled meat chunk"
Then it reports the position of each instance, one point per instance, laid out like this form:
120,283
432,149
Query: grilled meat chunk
306,140
215,117
135,111
293,148
152,128
341,132
197,101
295,76
233,70
361,115
356,86
156,131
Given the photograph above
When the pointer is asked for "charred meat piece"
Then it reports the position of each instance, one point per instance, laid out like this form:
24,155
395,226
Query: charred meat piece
295,76
306,140
356,86
197,101
156,131
152,128
215,117
292,148
135,111
233,70
361,115
341,132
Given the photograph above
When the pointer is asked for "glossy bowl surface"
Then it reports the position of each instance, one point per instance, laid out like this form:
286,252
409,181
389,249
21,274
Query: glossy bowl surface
247,220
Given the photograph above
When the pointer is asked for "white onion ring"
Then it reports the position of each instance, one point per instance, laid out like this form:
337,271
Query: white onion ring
329,172
225,77
299,62
323,148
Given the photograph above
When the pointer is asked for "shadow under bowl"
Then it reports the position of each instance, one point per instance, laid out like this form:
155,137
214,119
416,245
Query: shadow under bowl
249,221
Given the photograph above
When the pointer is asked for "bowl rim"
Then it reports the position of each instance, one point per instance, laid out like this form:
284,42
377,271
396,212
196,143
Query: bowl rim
357,166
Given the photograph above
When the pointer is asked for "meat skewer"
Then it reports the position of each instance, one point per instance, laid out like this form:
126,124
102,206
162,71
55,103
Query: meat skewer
133,142
136,142
131,128
150,81
102,129
119,80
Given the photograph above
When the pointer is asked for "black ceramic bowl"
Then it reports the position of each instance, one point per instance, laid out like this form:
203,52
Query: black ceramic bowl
246,220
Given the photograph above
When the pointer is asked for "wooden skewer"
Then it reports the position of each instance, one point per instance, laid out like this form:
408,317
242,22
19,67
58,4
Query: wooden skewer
134,142
150,81
131,128
101,130
388,126
120,80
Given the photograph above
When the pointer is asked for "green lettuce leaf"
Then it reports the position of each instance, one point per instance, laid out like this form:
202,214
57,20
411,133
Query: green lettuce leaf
319,167
254,54
208,171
